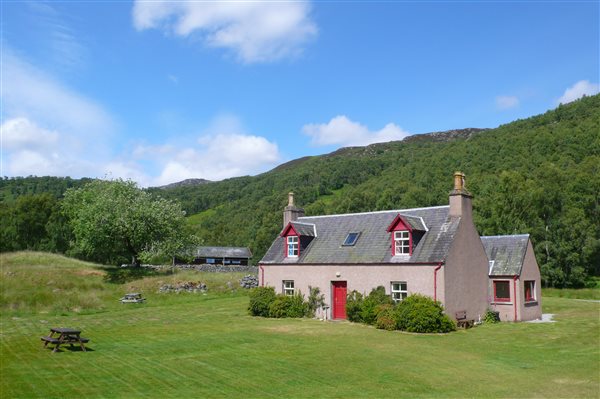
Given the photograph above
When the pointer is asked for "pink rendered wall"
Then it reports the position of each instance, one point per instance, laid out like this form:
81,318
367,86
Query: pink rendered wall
466,273
530,271
362,278
506,309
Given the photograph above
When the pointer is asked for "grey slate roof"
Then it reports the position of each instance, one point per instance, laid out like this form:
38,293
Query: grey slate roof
415,222
374,243
305,229
506,252
223,252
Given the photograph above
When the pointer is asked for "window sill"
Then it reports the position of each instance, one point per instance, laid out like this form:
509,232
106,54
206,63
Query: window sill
531,303
501,303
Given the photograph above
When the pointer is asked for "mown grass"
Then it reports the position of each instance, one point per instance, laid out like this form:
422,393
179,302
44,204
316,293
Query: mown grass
207,346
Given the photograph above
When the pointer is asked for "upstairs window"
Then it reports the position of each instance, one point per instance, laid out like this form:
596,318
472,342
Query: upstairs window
351,239
501,291
292,246
288,287
399,291
530,291
401,242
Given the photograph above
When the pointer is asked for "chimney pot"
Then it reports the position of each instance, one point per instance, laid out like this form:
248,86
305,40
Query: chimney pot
459,181
290,199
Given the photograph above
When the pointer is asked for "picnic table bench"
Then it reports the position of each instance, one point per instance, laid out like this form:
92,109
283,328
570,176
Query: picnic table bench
133,297
62,336
461,319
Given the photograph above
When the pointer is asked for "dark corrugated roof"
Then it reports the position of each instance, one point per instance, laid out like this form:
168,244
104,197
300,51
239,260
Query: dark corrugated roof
506,252
374,244
224,252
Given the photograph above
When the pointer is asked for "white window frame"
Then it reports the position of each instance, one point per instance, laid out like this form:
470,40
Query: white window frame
293,246
402,242
399,290
288,287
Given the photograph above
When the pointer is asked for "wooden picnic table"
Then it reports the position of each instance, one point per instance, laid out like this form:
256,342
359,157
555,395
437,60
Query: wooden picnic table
61,336
133,297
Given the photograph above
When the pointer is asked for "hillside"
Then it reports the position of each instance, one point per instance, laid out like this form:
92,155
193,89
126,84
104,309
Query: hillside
539,175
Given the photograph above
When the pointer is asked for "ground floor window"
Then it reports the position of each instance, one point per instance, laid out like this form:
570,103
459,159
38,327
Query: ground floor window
288,287
501,291
529,291
399,290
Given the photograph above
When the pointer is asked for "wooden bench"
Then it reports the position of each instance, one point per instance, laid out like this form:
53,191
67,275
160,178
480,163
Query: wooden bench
461,319
50,340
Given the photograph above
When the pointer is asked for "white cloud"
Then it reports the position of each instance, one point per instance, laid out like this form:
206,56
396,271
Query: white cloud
29,149
507,102
48,128
344,132
30,93
255,31
174,79
578,90
215,158
21,133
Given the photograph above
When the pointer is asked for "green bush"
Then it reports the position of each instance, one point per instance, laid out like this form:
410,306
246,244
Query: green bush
421,314
491,317
316,300
371,304
260,301
288,306
354,303
385,318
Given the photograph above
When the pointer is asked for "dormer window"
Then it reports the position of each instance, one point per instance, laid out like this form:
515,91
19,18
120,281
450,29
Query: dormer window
402,242
292,246
406,232
351,239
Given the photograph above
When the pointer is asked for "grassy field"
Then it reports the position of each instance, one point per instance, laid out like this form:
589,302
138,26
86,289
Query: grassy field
193,345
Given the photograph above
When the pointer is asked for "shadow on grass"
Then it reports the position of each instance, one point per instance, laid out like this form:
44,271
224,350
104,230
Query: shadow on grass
122,275
74,348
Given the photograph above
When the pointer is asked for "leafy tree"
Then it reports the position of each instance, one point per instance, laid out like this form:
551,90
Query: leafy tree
115,220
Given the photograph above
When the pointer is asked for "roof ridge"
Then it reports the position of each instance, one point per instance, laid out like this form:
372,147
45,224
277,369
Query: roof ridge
507,235
306,224
377,212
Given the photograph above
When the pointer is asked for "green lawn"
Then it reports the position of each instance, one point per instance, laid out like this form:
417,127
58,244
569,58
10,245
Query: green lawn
192,345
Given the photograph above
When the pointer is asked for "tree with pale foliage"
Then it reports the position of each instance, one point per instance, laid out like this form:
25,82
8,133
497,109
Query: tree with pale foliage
116,220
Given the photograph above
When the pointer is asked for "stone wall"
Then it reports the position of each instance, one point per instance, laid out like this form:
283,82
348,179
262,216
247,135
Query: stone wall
209,268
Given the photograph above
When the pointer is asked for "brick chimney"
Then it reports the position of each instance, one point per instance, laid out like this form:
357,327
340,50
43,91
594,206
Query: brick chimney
291,212
460,199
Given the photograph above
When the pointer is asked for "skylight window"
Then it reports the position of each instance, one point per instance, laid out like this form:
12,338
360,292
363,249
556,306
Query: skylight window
351,239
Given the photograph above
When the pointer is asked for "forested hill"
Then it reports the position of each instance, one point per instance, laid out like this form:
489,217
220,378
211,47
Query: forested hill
539,175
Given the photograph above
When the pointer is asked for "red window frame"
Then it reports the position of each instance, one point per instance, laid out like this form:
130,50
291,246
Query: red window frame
399,224
501,299
529,291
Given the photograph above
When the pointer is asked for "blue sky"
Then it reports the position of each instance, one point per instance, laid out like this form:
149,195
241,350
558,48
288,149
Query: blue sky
163,91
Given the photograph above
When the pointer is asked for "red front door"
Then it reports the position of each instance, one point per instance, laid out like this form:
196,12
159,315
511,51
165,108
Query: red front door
339,299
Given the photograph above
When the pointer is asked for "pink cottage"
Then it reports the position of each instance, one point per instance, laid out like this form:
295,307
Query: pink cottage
434,251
